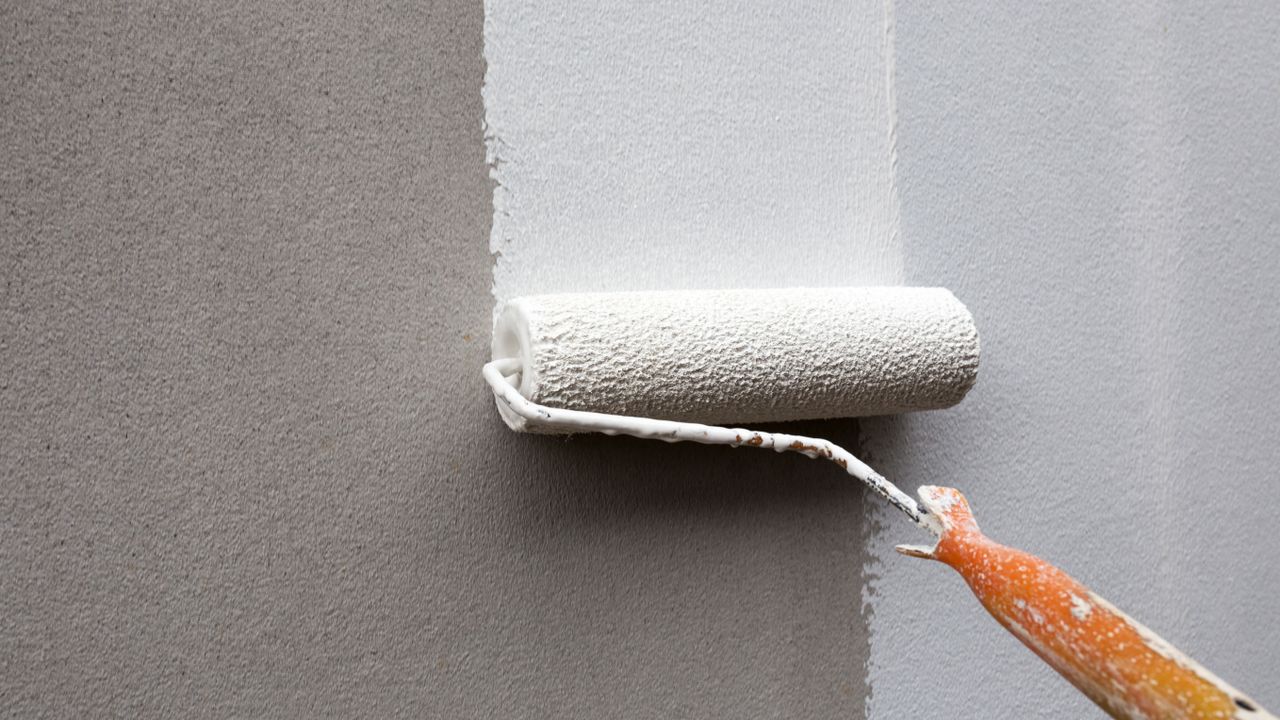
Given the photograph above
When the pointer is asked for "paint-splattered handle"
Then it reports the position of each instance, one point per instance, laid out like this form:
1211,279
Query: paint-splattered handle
1120,664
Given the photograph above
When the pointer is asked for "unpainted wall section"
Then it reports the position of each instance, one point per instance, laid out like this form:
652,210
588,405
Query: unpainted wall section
243,292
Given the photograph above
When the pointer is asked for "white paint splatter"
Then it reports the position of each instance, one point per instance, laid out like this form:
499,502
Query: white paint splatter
1080,607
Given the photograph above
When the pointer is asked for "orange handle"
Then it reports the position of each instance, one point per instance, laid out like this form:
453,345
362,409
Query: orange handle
1125,668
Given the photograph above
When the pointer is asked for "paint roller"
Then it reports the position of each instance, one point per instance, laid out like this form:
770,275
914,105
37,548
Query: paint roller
677,365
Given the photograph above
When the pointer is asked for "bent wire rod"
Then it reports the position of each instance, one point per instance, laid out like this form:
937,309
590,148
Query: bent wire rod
496,372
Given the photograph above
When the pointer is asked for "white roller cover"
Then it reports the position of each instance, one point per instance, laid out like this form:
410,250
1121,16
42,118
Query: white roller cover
741,356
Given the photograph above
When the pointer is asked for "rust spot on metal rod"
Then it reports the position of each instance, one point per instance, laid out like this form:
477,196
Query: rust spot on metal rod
817,450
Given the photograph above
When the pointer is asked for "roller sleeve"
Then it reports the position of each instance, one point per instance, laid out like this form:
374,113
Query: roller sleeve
741,356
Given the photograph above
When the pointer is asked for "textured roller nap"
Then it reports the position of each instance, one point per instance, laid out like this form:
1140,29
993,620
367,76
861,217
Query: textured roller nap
741,356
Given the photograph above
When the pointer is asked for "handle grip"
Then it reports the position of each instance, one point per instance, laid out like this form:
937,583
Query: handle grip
1120,664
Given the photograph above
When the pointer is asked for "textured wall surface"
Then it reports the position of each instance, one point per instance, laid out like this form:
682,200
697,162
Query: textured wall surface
680,145
244,289
1100,186
249,468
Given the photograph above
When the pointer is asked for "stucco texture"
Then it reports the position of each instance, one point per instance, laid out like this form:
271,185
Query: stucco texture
245,290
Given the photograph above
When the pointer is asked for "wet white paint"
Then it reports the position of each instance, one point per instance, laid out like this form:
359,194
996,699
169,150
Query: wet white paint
682,145
675,145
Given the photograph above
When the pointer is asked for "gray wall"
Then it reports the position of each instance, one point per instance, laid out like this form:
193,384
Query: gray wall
249,468
245,289
1102,186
